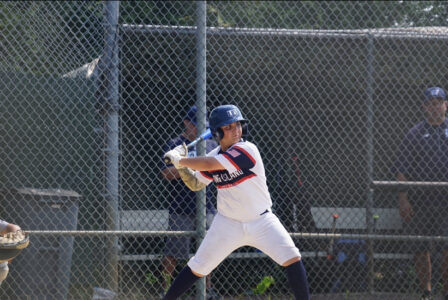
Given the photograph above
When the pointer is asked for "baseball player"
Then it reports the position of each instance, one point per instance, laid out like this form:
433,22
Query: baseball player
6,227
244,215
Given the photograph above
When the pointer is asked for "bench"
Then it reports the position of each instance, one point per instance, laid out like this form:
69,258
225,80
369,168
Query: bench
349,218
355,218
156,219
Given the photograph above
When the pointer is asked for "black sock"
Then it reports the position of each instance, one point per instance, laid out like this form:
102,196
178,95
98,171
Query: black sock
298,280
181,284
426,293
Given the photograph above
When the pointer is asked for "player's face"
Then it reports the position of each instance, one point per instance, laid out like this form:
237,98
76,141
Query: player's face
232,134
435,111
190,130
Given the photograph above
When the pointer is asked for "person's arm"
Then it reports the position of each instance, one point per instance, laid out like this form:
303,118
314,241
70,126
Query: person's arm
11,228
6,227
406,211
170,173
201,163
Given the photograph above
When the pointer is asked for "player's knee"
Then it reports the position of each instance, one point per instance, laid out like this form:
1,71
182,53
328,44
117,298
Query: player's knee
196,274
291,261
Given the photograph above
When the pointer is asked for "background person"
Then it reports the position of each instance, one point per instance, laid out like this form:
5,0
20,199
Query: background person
182,203
423,156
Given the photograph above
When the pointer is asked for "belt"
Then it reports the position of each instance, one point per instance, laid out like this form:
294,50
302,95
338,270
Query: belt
266,211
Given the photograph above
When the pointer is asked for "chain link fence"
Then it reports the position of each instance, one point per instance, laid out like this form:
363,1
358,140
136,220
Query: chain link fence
92,94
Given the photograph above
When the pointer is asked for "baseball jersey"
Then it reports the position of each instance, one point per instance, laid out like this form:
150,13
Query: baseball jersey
242,190
423,156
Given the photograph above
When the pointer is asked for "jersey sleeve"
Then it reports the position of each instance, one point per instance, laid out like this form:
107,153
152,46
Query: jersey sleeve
3,225
236,158
205,176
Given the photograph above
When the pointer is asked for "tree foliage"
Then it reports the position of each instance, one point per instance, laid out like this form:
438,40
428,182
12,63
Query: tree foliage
56,37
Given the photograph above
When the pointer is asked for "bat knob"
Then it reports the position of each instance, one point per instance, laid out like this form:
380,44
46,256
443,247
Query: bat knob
167,160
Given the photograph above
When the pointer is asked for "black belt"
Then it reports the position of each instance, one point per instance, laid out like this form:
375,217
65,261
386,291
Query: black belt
266,211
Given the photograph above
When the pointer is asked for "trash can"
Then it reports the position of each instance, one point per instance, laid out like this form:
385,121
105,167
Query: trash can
41,271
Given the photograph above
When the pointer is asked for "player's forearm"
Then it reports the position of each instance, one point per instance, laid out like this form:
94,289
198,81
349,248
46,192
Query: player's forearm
402,196
201,163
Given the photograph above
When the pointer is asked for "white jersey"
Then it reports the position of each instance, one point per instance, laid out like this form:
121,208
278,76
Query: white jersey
243,194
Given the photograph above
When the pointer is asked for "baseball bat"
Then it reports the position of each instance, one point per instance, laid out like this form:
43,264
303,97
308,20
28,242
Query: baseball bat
204,136
375,220
333,230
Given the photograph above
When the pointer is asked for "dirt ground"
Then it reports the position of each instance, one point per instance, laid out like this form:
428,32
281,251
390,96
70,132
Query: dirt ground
353,296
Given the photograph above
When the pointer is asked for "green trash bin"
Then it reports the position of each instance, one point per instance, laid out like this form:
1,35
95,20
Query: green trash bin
42,270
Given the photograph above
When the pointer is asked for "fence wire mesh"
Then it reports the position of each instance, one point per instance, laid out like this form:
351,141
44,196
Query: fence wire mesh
93,94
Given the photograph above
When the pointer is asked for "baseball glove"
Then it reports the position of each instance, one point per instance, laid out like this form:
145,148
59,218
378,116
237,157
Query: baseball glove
12,243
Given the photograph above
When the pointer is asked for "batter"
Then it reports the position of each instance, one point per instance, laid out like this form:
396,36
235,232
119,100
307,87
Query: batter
244,215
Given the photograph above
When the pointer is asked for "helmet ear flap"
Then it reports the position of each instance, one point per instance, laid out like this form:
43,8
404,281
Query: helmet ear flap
218,134
245,130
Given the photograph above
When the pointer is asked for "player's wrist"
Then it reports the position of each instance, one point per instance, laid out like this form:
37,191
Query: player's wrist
176,161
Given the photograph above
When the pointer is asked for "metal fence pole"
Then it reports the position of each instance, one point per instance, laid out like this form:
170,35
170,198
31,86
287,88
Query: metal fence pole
111,15
201,17
369,213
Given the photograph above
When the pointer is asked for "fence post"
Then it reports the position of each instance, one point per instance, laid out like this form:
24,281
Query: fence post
111,112
201,60
369,206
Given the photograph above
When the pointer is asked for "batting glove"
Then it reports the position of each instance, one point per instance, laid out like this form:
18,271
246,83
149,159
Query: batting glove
172,157
182,150
175,155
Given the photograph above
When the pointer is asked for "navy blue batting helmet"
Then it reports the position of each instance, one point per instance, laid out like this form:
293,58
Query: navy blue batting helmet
224,115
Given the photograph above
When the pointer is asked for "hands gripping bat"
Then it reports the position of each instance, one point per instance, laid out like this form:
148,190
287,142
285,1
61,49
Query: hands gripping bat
204,136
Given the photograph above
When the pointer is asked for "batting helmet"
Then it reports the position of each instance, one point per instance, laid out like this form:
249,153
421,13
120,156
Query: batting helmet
224,115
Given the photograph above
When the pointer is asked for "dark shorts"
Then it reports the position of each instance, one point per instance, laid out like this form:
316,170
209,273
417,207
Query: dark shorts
427,221
179,247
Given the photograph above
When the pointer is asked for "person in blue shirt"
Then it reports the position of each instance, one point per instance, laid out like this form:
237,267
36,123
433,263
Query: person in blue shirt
423,156
182,201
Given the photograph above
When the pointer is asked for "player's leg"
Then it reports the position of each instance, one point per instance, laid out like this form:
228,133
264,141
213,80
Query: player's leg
271,237
444,268
298,280
223,237
211,292
168,264
422,261
176,247
419,225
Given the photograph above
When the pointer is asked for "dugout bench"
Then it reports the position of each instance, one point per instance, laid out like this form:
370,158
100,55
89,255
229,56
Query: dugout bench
350,220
